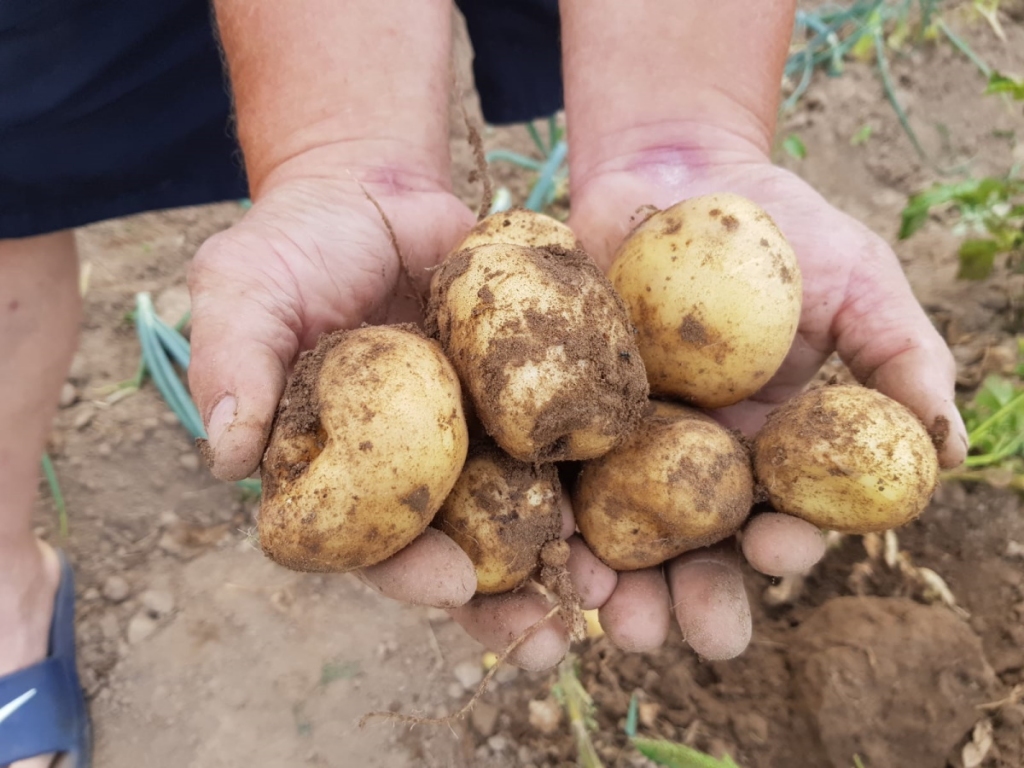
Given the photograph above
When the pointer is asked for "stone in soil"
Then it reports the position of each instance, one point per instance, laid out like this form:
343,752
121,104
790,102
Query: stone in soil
68,395
484,717
116,589
469,674
157,601
140,627
83,416
189,462
545,716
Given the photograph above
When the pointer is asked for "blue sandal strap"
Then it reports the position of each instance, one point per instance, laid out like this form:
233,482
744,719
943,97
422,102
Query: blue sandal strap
39,712
42,708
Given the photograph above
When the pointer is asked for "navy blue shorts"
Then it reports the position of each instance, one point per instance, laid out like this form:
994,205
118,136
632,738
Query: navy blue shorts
113,107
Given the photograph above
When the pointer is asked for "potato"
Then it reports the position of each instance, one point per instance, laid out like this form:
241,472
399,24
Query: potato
680,482
543,346
520,227
368,440
715,292
502,512
846,458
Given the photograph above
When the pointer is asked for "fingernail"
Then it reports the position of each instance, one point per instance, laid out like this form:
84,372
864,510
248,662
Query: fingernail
220,419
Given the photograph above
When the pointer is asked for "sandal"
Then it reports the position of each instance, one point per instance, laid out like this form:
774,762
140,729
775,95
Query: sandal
42,708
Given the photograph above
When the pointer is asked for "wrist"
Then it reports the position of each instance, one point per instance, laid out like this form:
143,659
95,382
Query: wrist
384,167
691,145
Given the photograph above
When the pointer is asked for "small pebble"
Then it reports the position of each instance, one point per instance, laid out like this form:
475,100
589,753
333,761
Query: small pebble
104,450
150,423
68,395
140,627
169,419
79,368
545,715
157,601
84,416
455,690
189,461
91,594
116,589
497,743
484,717
469,674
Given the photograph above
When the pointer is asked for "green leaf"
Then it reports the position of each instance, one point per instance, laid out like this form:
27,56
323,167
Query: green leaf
1000,83
977,257
794,147
631,716
672,755
861,136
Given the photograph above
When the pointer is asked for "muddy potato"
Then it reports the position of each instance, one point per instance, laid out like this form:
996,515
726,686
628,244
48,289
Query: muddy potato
502,512
520,227
715,292
680,482
369,439
543,346
846,458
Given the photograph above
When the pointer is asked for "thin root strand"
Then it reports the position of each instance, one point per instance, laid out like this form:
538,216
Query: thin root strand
398,717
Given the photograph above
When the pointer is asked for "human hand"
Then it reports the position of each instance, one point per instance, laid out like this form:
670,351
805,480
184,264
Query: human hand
856,300
314,255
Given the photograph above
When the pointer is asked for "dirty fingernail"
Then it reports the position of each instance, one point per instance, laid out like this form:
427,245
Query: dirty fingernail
220,419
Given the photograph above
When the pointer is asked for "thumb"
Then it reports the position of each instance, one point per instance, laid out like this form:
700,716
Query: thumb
242,345
886,339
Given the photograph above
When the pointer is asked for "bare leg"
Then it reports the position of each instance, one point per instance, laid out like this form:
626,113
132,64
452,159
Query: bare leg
39,315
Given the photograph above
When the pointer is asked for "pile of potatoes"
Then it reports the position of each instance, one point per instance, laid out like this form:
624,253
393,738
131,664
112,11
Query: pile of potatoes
533,360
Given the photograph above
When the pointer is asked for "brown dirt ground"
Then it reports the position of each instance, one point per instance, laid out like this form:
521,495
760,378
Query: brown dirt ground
218,658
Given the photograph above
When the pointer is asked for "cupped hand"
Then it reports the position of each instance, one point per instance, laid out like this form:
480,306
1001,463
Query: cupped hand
856,301
314,255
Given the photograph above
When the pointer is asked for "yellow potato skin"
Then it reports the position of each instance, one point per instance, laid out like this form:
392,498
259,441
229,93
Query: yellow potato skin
369,439
501,512
680,482
544,348
520,227
848,459
715,292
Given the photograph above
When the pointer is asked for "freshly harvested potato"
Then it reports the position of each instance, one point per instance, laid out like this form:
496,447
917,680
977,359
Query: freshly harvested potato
368,440
520,227
502,512
846,458
715,292
543,346
680,482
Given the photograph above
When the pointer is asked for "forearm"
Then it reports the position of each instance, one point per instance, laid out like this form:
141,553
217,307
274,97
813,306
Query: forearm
638,72
367,79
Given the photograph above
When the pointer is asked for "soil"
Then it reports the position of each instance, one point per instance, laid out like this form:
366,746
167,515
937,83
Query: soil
198,651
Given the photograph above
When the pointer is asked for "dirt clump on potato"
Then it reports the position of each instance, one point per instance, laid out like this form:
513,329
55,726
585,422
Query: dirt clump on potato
544,347
680,482
368,440
846,458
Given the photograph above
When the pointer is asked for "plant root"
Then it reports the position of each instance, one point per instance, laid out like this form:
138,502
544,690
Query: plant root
398,717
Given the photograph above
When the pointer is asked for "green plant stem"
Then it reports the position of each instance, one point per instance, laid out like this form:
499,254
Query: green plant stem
979,431
535,135
58,496
890,92
539,193
515,158
1016,482
965,49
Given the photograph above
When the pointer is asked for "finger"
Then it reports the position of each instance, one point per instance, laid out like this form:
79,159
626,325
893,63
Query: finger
594,581
781,545
241,348
637,615
497,620
887,341
433,571
710,602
